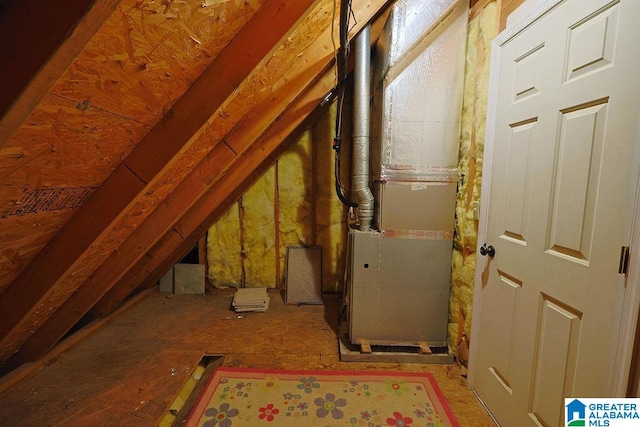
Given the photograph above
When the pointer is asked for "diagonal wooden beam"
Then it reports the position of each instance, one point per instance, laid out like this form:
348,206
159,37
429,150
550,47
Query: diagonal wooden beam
40,39
126,198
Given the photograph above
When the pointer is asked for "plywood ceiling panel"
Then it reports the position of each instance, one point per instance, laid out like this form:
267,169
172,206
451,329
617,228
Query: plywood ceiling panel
149,53
55,162
40,40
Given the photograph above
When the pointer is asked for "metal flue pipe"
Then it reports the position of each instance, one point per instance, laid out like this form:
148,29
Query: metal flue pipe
361,126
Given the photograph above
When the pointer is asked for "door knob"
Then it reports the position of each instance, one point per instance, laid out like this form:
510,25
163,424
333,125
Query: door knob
487,250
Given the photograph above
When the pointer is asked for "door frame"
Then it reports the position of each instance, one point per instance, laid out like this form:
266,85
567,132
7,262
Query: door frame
631,302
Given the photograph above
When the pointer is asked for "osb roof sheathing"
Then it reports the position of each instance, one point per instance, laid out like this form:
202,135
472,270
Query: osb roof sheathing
130,151
143,59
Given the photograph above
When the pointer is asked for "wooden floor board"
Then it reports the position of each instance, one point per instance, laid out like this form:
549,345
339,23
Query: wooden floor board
130,370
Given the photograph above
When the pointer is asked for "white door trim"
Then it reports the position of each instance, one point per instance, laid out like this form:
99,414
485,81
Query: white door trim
631,304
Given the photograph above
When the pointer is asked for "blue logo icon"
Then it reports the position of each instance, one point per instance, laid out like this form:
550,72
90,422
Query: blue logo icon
576,413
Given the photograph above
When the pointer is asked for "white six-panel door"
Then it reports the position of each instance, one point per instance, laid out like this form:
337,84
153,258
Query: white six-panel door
562,179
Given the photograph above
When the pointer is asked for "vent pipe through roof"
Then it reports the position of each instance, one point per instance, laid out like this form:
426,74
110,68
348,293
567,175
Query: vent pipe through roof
361,126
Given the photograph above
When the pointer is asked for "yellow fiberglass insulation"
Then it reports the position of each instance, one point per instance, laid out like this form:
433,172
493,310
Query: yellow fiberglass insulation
295,180
259,232
330,212
482,29
224,249
298,222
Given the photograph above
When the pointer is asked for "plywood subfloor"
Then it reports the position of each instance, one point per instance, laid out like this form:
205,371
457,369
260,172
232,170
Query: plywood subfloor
129,371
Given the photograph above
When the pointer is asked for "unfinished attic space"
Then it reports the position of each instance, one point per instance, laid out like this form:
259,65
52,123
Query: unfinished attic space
318,212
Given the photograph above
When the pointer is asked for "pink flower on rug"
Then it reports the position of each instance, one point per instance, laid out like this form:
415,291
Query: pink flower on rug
366,415
399,420
220,416
420,413
329,405
268,412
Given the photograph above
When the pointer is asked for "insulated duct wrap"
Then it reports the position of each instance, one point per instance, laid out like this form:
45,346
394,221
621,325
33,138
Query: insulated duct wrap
422,91
413,19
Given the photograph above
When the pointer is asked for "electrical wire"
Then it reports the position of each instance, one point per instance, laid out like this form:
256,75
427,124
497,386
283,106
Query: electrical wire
341,58
333,42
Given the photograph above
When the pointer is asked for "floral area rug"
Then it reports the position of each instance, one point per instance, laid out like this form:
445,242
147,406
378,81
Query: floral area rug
253,397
